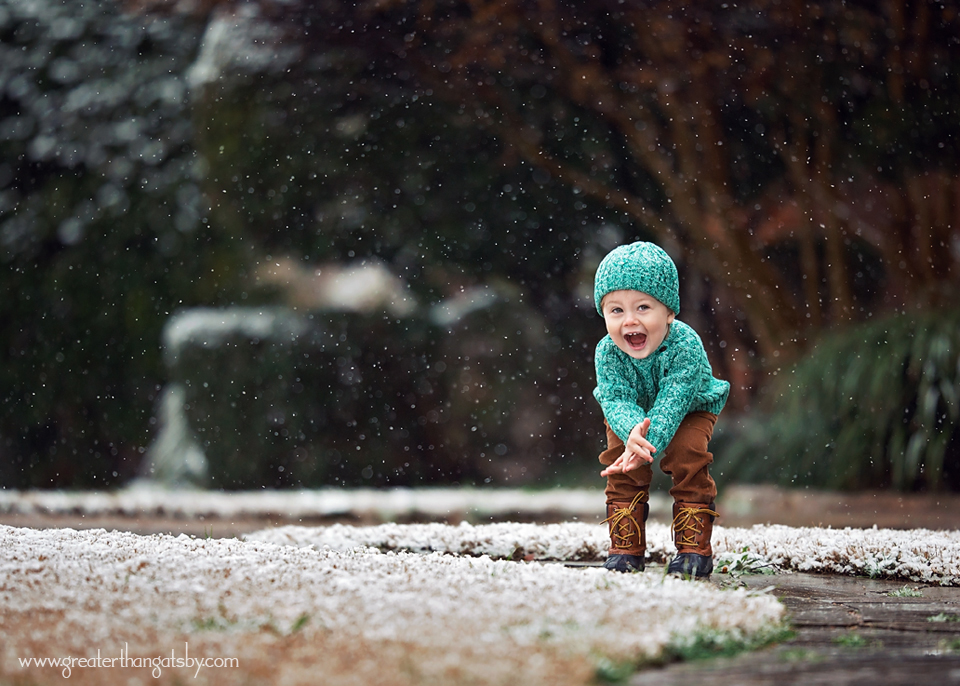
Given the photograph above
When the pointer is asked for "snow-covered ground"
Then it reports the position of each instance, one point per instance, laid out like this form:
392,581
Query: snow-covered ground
393,603
912,554
424,618
326,502
915,554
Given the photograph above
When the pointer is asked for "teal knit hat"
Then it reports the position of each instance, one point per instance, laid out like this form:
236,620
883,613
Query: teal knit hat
639,267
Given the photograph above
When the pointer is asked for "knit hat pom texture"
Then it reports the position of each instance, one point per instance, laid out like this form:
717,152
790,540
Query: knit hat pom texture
639,266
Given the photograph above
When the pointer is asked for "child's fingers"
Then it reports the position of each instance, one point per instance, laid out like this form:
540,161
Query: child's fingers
616,467
619,466
631,459
612,469
634,461
642,456
641,445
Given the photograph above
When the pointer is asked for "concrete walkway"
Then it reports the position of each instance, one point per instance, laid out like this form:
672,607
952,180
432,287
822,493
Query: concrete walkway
848,631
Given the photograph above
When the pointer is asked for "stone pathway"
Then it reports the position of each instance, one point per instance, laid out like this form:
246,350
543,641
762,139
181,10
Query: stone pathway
848,631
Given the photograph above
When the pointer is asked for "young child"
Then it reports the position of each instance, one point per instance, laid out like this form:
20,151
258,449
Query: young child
659,399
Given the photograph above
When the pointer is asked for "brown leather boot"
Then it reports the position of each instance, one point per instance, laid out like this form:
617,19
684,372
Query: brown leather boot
628,536
692,530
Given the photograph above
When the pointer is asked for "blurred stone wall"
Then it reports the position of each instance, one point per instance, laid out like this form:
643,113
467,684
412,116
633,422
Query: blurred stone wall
273,398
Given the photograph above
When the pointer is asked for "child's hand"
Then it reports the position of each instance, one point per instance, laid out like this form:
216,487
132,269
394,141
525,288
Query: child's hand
637,451
638,444
627,462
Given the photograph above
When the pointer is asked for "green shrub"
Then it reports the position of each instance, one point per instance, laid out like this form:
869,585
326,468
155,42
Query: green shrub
873,406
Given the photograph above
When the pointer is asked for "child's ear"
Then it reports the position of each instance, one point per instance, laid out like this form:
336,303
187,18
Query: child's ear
671,317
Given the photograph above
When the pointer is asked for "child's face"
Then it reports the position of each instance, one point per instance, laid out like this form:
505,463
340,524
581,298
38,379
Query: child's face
636,322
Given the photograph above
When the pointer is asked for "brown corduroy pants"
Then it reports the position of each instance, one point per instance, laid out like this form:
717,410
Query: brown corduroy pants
686,460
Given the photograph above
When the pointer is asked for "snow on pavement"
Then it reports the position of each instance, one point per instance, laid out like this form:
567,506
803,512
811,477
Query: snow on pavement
914,554
122,584
387,504
424,603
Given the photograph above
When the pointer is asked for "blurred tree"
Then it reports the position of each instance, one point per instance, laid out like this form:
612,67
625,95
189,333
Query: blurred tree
320,157
333,154
798,159
800,156
143,172
102,233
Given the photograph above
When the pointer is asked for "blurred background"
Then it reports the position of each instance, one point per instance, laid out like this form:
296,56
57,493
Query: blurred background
301,244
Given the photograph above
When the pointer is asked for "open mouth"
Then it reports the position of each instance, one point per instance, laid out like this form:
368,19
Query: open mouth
636,340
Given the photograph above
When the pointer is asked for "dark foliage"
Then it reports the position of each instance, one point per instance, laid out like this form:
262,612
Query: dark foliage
101,234
875,406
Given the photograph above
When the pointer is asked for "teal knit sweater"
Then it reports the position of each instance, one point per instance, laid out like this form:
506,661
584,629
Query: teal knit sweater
666,386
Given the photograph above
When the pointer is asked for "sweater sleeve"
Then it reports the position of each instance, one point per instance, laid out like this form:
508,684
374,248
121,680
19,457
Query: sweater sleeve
678,388
617,389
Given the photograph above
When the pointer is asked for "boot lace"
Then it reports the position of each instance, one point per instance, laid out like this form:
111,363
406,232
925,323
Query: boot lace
620,520
687,525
